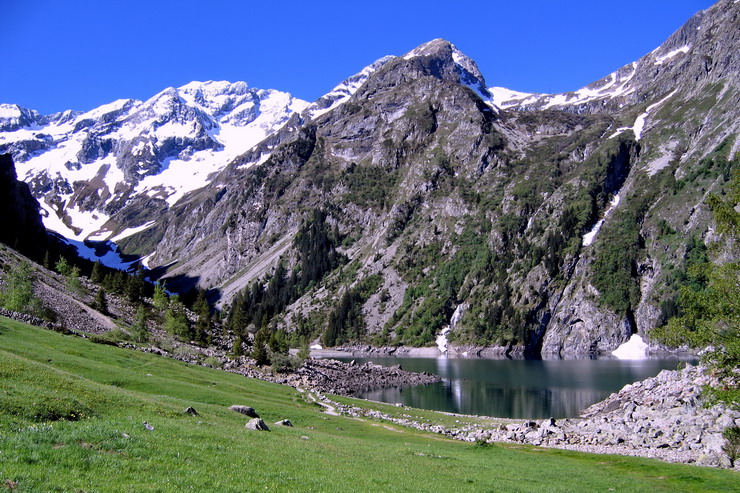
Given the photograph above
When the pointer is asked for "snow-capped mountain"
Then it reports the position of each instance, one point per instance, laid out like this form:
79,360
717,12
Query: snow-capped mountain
86,168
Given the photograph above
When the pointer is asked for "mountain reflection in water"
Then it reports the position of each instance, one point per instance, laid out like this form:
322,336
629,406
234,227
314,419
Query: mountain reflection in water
514,388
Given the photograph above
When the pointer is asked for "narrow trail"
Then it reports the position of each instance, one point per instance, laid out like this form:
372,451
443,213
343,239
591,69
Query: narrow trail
328,408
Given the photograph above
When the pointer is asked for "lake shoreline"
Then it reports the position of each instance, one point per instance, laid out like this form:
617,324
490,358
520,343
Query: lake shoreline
662,417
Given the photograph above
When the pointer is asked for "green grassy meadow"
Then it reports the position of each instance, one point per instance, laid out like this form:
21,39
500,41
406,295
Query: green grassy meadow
72,414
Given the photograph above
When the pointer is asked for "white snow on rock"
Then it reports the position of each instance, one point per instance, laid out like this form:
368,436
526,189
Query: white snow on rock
132,231
661,59
635,348
589,237
504,98
442,340
639,125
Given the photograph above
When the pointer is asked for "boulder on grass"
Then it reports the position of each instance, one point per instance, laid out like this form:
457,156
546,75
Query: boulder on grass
245,410
256,424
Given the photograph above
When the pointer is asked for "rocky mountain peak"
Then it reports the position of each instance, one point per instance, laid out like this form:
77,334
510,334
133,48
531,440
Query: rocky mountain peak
439,59
441,48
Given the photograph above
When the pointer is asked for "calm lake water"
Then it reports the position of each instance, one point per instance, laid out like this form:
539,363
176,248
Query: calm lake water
514,388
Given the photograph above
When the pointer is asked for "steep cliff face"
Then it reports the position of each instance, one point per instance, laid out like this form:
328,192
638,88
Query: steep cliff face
556,224
22,228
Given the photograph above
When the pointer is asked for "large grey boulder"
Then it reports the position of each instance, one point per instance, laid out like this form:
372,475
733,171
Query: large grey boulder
256,424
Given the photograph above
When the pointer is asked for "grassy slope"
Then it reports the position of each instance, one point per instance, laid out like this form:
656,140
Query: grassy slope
101,393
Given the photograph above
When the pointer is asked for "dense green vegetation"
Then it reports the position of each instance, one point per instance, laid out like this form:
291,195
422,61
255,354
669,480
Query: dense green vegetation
346,321
72,418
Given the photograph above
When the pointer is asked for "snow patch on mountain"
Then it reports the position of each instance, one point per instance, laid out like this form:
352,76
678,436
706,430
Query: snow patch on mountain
505,98
589,237
639,125
661,59
132,231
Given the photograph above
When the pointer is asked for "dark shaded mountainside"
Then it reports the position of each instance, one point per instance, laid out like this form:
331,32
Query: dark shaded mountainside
418,204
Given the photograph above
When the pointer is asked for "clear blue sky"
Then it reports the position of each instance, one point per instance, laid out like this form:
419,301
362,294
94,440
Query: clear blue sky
78,54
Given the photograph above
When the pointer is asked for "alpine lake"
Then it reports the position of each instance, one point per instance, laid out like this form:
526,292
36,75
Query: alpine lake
515,388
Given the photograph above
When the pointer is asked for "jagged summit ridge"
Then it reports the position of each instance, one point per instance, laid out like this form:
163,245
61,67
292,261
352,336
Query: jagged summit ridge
692,53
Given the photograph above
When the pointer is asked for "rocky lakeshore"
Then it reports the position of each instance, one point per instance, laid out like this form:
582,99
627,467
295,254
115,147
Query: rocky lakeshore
663,417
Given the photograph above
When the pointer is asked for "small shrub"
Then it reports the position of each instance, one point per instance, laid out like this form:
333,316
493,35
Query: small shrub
732,444
212,362
283,363
63,267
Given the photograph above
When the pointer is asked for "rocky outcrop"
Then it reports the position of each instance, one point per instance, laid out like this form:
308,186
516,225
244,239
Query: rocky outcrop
245,410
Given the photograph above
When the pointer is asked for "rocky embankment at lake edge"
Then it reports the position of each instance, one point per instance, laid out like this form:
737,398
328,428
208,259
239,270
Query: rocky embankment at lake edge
661,417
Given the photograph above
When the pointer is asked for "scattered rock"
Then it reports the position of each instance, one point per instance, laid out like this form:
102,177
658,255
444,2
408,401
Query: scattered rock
284,422
191,411
335,377
256,424
245,410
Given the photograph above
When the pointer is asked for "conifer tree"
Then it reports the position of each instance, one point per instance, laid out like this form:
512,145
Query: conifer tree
101,303
259,349
139,329
203,310
63,267
73,279
97,273
237,348
161,300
